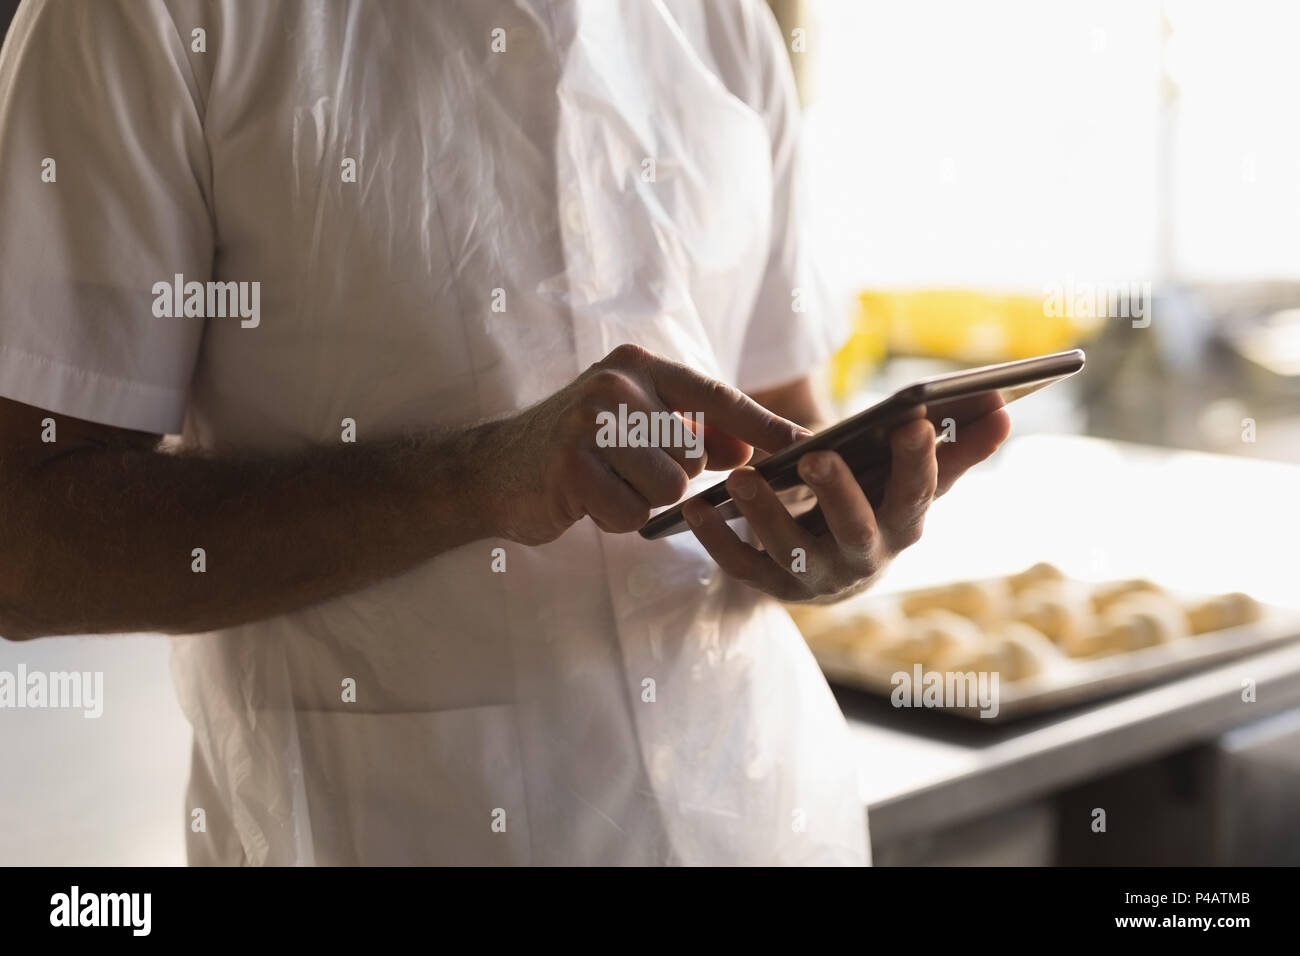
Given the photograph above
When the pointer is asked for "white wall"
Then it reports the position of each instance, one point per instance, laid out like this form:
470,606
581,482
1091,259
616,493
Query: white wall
1012,143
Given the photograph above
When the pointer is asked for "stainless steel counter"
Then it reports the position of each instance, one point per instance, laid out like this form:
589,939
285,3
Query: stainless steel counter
925,770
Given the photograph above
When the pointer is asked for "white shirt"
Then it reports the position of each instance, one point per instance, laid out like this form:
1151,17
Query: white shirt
601,172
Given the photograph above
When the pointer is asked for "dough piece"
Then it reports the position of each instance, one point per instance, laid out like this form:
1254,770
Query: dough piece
982,601
1054,609
1014,652
1098,641
1040,573
931,638
855,631
1142,620
1106,595
1224,611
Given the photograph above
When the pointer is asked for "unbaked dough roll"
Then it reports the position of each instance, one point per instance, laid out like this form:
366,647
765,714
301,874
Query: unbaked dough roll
982,601
1040,573
1143,620
1105,595
1224,611
931,638
1056,610
856,631
1014,652
1099,641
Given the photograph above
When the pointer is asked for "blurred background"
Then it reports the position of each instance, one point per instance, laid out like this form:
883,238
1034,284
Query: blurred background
966,162
988,181
995,180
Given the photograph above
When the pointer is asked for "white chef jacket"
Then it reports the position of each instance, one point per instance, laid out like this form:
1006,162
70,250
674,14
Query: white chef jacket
535,183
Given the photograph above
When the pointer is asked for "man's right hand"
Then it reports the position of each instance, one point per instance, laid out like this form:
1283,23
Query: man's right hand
548,471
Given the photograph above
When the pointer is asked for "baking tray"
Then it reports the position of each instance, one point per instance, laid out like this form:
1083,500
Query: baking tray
1070,681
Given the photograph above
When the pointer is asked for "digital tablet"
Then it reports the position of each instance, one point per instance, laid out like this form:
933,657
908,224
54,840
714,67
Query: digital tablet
949,401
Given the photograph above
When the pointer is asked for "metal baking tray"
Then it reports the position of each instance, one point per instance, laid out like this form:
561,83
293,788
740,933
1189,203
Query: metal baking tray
1070,681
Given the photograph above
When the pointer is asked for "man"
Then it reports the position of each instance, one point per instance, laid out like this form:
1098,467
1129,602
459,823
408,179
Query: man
418,629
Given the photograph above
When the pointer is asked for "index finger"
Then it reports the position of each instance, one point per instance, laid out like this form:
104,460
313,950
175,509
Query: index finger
722,406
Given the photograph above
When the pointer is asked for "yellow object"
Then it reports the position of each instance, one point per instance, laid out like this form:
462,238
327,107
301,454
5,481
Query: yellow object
951,323
865,349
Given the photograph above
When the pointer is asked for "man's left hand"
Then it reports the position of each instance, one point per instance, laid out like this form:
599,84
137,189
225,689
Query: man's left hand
859,541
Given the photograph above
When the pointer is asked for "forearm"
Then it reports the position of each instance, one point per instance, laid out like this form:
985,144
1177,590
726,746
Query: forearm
104,541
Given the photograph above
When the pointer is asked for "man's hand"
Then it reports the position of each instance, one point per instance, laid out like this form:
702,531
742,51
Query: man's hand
550,472
859,542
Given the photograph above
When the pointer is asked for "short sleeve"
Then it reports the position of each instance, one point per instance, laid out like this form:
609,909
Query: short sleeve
794,328
104,192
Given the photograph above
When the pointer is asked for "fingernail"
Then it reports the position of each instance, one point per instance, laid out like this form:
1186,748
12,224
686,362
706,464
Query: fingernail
800,433
817,467
919,438
742,484
694,516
